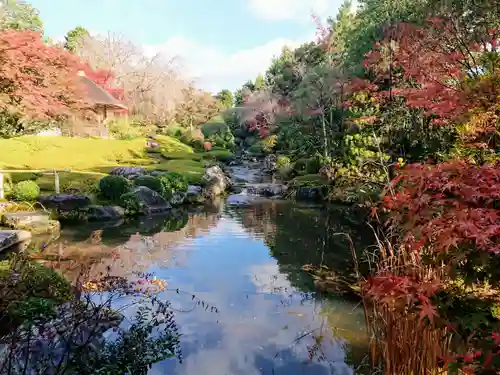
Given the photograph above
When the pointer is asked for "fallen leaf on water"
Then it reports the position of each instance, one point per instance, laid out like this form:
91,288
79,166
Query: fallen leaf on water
294,313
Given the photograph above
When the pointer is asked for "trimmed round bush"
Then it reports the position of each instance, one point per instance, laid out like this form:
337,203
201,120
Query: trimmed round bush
173,182
113,187
151,182
25,191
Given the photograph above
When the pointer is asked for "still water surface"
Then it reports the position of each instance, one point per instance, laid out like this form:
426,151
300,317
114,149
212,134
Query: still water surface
245,261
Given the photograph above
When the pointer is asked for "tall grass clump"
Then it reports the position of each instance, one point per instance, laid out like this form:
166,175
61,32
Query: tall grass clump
431,293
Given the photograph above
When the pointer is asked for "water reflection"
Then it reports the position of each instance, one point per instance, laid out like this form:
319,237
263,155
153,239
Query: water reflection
246,262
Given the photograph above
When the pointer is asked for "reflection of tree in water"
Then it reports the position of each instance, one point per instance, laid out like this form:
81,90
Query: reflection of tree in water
88,253
299,235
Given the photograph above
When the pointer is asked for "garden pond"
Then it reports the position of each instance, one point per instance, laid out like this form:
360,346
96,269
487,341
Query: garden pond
270,316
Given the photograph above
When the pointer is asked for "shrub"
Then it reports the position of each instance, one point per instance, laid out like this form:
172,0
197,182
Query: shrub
313,165
170,144
283,161
286,172
256,148
300,165
197,144
192,170
220,155
29,288
190,136
173,182
314,180
128,129
113,187
179,155
223,138
131,203
269,143
25,191
151,182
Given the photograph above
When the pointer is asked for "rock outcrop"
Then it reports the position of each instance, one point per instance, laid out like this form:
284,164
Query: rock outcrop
215,182
64,202
149,201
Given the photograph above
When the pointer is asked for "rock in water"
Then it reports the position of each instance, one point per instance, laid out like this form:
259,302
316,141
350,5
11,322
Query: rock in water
267,190
195,194
270,163
130,173
305,193
215,182
104,213
65,202
178,198
150,201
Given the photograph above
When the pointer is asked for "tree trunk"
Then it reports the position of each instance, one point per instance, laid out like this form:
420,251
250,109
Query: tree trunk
325,139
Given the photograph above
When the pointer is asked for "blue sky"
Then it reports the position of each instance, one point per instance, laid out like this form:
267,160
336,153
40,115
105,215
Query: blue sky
220,43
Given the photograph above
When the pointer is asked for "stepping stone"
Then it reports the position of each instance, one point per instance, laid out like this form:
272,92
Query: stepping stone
9,238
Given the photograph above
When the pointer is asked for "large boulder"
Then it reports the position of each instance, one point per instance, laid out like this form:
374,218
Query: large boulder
270,163
215,181
34,222
9,238
145,201
130,173
64,202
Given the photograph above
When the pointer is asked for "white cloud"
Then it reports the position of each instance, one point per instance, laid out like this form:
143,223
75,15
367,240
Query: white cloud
215,69
293,10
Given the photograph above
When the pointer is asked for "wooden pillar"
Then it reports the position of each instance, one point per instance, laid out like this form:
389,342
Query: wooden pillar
56,182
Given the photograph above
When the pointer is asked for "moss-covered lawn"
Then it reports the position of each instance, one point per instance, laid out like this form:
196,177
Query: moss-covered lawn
92,158
86,154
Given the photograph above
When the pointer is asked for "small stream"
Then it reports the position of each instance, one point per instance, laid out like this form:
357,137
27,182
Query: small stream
244,256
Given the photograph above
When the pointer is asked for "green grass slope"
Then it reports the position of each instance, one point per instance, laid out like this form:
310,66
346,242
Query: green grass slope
34,152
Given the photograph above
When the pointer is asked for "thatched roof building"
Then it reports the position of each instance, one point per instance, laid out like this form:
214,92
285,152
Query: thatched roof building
104,105
99,97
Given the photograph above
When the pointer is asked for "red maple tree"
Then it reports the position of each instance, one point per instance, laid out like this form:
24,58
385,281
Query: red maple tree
37,80
103,78
447,206
436,69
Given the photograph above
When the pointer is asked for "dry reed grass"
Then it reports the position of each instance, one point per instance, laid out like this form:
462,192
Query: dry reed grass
402,341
